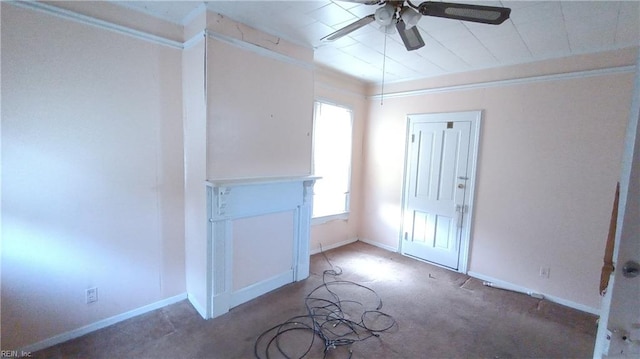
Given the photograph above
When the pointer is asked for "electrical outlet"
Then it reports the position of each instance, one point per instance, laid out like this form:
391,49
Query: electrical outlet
545,272
92,295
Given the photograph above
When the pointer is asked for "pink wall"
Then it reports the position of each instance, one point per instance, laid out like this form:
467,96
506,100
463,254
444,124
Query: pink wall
91,174
259,103
254,241
549,159
259,114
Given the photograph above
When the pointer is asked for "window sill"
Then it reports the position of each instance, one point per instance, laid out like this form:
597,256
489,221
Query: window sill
334,217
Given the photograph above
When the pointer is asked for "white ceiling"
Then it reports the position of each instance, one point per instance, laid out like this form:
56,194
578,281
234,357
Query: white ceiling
536,30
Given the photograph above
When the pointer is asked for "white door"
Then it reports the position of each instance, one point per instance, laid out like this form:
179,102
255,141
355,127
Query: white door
619,326
438,178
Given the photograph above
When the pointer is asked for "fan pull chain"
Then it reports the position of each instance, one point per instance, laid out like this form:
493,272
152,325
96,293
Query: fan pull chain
384,62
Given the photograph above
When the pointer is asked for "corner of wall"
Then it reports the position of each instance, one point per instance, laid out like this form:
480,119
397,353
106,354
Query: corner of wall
226,27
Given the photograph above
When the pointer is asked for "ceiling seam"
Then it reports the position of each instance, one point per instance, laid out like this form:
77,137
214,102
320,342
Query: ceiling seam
481,43
566,30
521,38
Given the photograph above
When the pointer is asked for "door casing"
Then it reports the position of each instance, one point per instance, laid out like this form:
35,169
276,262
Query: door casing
475,117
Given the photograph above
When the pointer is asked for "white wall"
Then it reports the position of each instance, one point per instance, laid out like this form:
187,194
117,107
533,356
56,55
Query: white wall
549,160
92,174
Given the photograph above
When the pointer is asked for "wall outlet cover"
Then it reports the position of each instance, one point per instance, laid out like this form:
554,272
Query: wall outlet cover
92,295
545,272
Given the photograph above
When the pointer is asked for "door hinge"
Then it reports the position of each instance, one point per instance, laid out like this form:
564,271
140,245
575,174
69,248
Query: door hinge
460,210
406,236
413,138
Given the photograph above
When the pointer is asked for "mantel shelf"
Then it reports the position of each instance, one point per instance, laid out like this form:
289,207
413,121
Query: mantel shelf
230,182
260,201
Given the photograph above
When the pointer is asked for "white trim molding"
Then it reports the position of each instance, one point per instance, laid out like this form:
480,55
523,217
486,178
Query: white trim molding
335,89
333,246
160,40
193,14
196,39
508,82
61,338
518,288
474,118
196,305
326,219
259,50
231,199
386,247
255,290
92,21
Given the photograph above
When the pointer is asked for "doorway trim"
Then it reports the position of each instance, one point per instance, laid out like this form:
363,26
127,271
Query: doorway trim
474,144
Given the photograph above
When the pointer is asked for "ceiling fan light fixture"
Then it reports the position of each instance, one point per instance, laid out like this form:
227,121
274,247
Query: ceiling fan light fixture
394,15
384,15
410,17
410,36
388,29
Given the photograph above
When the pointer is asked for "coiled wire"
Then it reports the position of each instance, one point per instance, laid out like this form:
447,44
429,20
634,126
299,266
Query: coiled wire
331,322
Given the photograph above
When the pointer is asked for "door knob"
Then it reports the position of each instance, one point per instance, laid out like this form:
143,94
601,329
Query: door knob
631,269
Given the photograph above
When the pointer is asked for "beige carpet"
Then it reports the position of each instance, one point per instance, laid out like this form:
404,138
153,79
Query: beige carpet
438,314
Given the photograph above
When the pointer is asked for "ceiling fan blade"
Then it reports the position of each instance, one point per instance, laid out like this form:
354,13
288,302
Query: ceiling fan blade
365,2
477,13
410,37
349,29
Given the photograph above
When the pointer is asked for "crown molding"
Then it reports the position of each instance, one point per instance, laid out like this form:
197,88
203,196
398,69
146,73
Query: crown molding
508,82
106,25
258,49
91,21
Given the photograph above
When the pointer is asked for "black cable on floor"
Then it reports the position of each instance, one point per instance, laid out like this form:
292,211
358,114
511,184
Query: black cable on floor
327,320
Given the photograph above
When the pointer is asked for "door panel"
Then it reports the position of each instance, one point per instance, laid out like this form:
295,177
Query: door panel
423,223
450,154
435,195
445,233
426,147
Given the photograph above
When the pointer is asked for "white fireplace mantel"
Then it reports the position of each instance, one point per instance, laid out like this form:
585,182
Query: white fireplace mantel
267,220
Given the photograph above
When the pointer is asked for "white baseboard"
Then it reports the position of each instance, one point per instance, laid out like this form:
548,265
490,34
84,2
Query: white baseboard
255,290
61,338
333,245
197,306
551,298
379,245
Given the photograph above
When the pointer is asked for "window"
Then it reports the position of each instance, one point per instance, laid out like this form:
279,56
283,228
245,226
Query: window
331,159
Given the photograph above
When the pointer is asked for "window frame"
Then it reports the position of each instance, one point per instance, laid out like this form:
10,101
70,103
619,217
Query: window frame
345,214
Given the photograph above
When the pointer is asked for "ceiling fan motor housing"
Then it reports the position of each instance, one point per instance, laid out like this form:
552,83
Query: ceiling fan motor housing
395,15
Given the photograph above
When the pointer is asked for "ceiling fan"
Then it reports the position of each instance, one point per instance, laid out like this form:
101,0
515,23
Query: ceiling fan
396,15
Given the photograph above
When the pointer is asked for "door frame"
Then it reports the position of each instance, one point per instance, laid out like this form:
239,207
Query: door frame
616,303
474,144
